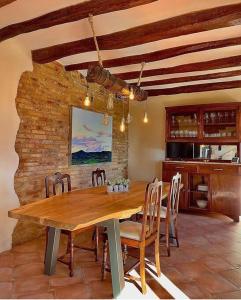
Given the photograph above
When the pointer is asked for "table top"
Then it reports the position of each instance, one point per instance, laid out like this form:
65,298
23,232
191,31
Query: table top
82,208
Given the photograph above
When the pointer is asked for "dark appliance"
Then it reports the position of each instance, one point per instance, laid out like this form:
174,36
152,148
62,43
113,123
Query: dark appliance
179,151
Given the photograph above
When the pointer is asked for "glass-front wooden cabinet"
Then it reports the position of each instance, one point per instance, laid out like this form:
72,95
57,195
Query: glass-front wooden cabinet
220,123
203,123
184,125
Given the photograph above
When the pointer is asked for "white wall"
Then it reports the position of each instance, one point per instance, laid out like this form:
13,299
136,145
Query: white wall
147,141
14,60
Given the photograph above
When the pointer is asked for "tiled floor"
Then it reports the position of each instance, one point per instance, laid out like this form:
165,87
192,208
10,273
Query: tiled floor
207,265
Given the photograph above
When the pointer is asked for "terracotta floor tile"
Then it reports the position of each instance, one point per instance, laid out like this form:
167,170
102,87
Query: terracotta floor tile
193,291
26,248
23,258
193,270
101,289
216,263
38,296
28,270
231,295
76,291
6,260
174,275
30,284
55,281
6,274
87,274
234,258
214,282
6,290
233,275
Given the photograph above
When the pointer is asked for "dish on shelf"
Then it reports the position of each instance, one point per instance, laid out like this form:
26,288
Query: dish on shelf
202,203
202,188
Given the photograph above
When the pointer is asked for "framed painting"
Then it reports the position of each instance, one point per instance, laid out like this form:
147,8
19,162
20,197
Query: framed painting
91,141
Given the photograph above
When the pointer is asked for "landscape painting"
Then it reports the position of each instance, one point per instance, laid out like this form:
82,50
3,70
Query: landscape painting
91,141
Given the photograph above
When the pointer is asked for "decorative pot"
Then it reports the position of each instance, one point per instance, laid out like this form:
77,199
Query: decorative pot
126,188
121,187
109,188
116,188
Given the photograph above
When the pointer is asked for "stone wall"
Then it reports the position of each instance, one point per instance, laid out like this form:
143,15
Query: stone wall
43,103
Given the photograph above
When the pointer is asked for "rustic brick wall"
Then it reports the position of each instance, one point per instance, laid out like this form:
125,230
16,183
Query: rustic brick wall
43,103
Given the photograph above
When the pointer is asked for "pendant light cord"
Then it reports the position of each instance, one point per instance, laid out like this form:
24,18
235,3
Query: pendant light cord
141,72
91,21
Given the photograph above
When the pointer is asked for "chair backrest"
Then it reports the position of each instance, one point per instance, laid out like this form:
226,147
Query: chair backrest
98,177
151,212
53,181
174,194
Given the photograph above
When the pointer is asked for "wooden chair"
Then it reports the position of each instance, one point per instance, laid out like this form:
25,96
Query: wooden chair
55,185
170,212
141,235
98,177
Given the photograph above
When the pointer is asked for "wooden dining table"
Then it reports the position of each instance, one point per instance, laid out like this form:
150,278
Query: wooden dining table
82,208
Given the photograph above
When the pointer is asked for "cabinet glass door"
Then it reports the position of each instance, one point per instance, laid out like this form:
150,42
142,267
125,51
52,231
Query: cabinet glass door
183,125
219,124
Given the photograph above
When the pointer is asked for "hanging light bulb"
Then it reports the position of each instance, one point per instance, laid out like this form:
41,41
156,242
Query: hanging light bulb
131,95
110,102
145,119
128,118
105,120
122,125
87,100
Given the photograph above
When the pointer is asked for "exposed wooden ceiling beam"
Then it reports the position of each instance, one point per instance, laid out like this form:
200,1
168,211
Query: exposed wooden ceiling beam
191,78
159,55
227,62
68,14
196,88
223,16
5,2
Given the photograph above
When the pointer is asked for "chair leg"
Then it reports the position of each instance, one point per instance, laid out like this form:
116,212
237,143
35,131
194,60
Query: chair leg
125,254
142,269
167,238
96,243
68,248
71,262
93,235
104,260
176,232
157,256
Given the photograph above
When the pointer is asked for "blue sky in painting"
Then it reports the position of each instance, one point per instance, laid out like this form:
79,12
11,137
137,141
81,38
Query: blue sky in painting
88,132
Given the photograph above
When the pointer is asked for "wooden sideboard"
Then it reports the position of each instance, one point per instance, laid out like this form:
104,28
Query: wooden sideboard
223,182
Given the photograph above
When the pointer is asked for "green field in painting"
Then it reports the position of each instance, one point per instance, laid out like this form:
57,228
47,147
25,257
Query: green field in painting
82,157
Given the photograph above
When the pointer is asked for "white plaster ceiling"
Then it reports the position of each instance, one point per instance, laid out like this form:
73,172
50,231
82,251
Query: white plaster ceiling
21,10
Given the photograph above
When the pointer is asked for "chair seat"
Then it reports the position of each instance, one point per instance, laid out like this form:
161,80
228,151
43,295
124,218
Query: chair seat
163,212
131,230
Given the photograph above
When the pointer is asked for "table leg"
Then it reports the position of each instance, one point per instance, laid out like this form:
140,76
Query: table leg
116,261
52,250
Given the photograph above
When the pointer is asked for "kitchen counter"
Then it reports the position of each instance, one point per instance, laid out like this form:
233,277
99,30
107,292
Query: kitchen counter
201,162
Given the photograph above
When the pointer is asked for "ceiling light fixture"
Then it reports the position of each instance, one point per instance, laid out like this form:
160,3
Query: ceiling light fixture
87,101
131,96
122,124
145,119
